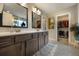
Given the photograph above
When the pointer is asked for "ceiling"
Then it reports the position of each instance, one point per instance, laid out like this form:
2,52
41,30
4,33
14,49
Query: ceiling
51,8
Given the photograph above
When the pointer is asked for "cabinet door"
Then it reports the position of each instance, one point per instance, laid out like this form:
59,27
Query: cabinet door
29,47
36,42
46,38
36,45
12,50
32,45
41,40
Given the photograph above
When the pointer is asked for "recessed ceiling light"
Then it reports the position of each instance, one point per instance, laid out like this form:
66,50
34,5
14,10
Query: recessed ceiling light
23,4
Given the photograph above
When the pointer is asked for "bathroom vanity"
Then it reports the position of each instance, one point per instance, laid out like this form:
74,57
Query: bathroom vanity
19,43
22,44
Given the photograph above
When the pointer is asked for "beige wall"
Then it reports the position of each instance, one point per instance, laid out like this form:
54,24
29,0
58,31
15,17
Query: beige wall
73,11
52,32
78,12
74,19
1,7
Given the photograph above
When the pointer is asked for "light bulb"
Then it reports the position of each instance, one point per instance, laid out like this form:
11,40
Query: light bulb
38,12
23,4
34,9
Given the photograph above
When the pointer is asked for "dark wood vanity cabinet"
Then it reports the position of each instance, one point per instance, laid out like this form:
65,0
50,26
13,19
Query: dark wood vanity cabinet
22,37
23,45
5,41
26,39
32,45
8,48
12,50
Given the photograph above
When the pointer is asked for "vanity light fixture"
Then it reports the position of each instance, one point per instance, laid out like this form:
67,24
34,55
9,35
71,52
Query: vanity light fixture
36,10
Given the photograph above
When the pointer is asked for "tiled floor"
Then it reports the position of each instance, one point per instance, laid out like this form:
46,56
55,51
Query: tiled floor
65,50
47,50
58,49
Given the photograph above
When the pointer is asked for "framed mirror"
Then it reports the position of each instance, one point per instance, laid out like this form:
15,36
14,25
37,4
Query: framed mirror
14,15
36,20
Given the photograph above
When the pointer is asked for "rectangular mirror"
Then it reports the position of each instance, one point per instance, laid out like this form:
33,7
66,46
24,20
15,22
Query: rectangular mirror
14,15
36,20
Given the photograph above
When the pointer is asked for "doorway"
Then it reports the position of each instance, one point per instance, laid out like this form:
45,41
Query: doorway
63,32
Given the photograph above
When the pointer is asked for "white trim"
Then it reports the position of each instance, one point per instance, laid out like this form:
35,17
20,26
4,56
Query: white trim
69,16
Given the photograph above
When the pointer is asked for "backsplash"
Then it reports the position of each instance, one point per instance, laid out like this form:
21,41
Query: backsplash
4,29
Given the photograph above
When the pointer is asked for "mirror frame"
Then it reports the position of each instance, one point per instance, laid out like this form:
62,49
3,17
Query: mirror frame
15,26
33,20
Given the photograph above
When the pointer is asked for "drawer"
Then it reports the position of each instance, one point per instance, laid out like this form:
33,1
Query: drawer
4,41
23,37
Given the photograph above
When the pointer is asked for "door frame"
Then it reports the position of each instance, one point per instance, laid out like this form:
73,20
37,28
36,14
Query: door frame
69,17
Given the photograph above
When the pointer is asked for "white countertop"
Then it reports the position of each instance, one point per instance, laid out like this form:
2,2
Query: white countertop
17,33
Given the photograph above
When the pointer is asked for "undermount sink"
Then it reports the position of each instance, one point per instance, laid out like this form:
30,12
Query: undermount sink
15,30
